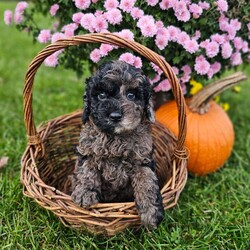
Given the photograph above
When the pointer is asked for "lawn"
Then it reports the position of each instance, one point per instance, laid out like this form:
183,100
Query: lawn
213,212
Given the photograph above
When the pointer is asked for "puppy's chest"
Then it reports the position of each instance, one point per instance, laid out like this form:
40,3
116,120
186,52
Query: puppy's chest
128,148
116,171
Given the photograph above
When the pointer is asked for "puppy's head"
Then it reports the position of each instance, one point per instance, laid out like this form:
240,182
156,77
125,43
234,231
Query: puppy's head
118,98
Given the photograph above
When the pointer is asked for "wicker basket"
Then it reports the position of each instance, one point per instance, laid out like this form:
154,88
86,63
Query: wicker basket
49,157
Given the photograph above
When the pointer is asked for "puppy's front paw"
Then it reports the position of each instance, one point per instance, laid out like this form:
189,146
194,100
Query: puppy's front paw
85,198
152,217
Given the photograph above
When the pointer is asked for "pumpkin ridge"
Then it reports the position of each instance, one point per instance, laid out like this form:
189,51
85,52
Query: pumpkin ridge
214,128
224,134
191,120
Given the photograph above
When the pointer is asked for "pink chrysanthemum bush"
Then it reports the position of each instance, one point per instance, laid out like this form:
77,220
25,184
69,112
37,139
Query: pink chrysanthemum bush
199,39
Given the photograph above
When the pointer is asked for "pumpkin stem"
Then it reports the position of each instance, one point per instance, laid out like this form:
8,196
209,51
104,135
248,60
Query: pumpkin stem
199,103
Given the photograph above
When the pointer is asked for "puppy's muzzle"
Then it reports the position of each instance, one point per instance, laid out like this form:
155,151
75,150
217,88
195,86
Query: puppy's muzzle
115,116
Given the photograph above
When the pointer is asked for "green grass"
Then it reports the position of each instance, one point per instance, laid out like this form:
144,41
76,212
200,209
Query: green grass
213,212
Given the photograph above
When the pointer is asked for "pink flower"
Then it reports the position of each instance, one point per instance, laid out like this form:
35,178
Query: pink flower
137,62
53,9
163,86
156,68
238,43
159,25
173,3
245,47
183,16
222,5
145,20
44,36
216,67
186,69
126,34
87,22
77,17
98,13
95,55
105,49
204,5
184,88
181,11
197,35
69,29
147,26
100,24
21,6
165,4
127,5
111,4
212,49
179,6
152,2
220,39
52,60
155,79
114,16
161,41
127,57
191,46
8,17
210,73
163,32
176,70
195,9
226,50
235,24
57,36
185,78
82,4
231,32
204,44
182,38
18,17
173,33
223,23
136,13
236,59
201,65
149,30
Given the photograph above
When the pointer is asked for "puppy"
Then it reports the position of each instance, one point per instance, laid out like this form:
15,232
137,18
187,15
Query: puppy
115,148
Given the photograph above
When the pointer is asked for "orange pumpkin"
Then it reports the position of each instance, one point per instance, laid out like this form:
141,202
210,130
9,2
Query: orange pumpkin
210,134
210,137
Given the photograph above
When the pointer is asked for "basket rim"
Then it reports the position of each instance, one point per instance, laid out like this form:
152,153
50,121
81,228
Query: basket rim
113,39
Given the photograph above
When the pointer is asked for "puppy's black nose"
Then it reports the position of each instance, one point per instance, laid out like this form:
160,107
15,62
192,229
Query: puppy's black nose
115,116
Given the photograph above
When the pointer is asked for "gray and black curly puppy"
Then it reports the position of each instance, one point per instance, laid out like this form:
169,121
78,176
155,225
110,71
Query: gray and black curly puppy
115,148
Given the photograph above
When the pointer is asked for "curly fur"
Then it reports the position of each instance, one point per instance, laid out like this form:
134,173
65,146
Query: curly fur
115,146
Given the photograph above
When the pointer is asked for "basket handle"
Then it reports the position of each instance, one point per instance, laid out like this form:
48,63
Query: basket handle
33,136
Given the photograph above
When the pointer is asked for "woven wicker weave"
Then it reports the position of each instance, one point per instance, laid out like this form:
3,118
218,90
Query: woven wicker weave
49,157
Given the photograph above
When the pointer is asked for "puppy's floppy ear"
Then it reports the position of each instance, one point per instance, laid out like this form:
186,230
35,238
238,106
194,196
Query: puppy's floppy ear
86,101
90,83
148,109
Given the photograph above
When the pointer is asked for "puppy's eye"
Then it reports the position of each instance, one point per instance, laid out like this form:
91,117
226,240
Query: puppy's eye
102,96
130,96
